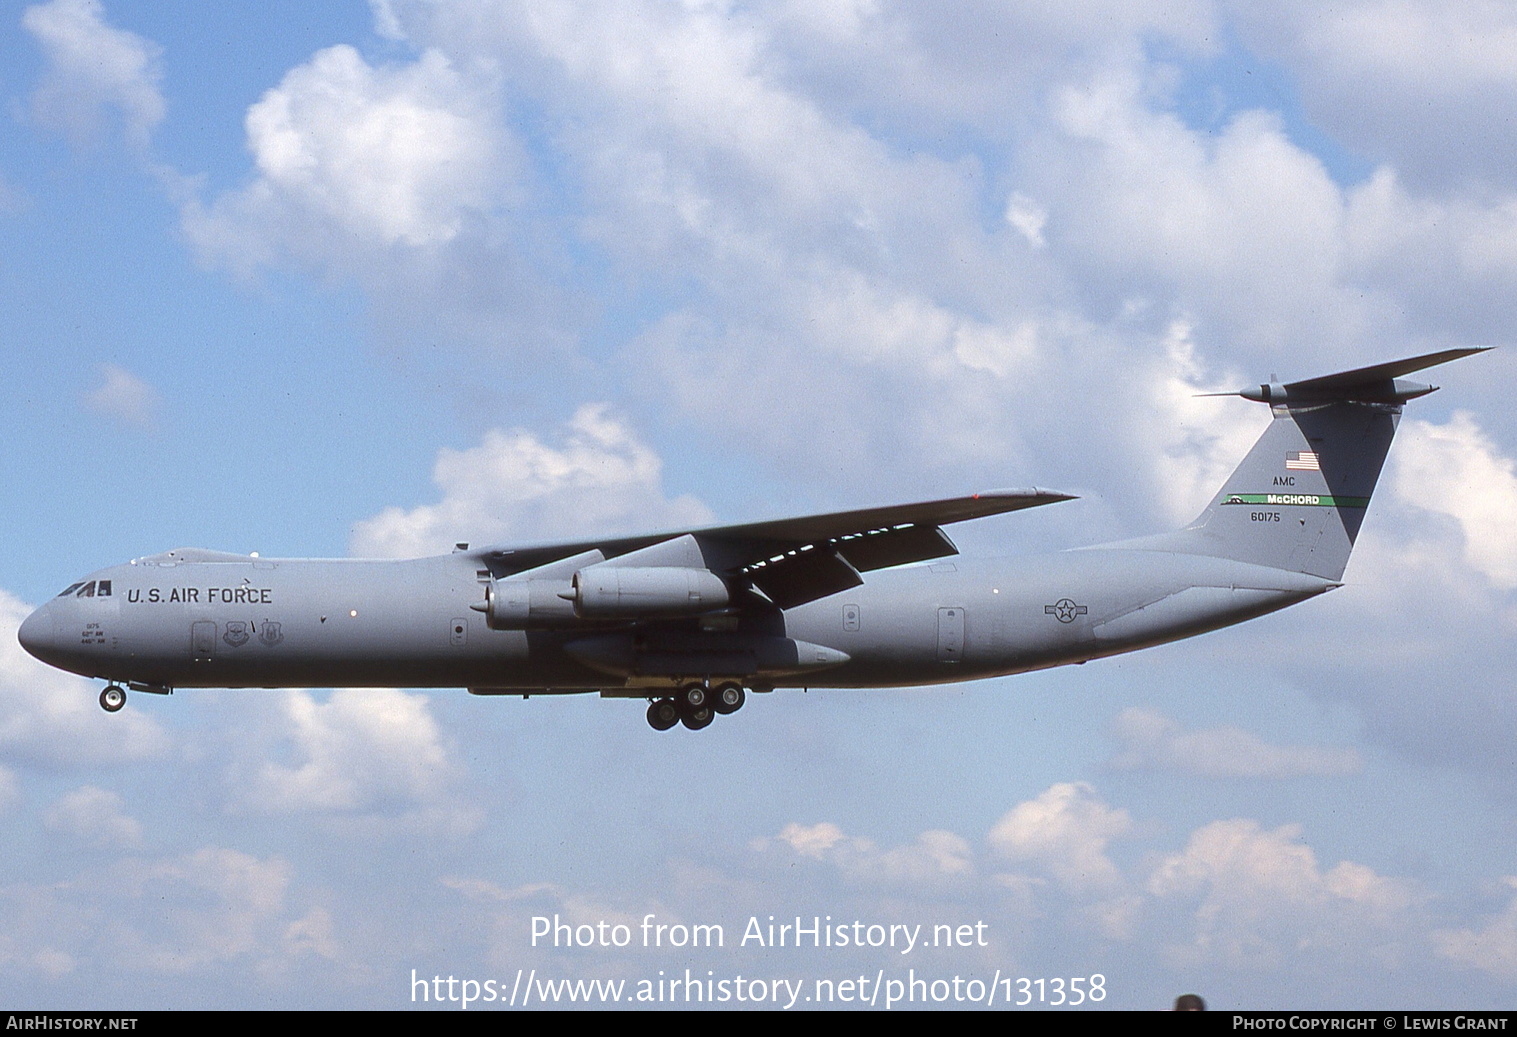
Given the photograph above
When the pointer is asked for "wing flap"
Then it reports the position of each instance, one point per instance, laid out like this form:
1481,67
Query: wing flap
882,549
795,579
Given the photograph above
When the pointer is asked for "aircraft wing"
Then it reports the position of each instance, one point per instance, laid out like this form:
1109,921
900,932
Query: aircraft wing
795,560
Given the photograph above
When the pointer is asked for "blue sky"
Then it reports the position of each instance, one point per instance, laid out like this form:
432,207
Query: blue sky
382,277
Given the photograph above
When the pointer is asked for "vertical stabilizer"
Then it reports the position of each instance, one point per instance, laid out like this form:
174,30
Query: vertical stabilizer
1297,501
1299,497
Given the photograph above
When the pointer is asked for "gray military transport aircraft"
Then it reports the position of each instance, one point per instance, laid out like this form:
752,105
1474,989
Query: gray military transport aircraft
691,620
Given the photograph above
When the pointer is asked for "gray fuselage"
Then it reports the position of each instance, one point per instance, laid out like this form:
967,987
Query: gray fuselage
204,619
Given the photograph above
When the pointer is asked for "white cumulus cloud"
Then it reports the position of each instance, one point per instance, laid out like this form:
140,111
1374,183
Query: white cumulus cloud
364,754
192,913
599,477
1242,228
93,66
1064,831
124,397
1429,85
1152,740
1261,894
1491,949
934,856
349,154
94,817
1457,470
209,906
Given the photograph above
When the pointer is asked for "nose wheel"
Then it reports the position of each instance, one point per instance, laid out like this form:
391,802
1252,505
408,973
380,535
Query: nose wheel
113,698
696,705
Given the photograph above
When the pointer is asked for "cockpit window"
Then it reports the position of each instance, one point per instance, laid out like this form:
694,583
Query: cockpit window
92,589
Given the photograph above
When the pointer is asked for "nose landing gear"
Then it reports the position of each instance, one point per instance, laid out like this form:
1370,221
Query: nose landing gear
112,698
696,705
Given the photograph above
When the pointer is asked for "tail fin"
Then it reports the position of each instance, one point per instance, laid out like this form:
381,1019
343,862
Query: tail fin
1298,499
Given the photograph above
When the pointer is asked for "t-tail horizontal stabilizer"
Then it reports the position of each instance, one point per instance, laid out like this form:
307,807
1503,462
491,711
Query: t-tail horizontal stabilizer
1381,383
1299,497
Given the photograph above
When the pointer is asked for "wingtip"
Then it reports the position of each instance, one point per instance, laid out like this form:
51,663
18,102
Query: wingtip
1057,496
1024,492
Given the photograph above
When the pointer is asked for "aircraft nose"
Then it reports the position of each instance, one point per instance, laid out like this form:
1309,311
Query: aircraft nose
38,633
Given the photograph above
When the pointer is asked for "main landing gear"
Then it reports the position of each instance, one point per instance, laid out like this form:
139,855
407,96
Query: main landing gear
696,705
112,698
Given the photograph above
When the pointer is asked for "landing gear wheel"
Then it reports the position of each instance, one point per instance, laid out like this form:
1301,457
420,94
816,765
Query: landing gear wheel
112,698
662,714
693,697
728,698
698,719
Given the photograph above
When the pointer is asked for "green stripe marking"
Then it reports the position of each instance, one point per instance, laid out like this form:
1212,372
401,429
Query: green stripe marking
1314,500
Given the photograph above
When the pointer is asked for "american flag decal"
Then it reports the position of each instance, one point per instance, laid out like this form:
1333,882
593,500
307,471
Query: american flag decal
1302,461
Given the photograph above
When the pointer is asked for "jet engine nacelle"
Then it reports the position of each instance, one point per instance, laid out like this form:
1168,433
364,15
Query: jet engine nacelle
524,604
612,592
